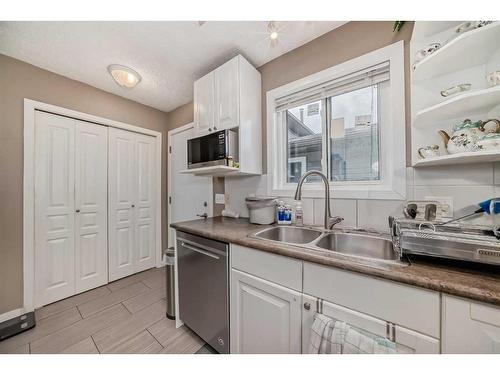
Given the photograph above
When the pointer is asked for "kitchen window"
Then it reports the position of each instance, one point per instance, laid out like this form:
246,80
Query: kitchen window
347,121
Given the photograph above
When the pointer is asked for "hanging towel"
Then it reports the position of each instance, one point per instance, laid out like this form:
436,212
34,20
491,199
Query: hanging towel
331,336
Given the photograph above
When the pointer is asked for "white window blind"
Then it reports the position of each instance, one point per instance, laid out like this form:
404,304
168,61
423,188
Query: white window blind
357,80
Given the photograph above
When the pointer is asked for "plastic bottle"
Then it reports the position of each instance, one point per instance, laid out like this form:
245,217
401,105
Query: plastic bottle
288,215
299,214
281,212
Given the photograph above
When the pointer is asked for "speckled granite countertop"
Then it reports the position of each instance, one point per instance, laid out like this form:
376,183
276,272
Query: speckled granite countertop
472,283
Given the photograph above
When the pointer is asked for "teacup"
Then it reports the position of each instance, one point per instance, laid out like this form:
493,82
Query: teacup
493,78
428,151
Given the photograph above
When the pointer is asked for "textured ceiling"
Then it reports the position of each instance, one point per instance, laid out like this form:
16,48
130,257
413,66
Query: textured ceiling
170,56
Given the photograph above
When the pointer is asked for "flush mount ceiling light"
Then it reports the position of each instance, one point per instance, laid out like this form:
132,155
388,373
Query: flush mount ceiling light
272,30
124,76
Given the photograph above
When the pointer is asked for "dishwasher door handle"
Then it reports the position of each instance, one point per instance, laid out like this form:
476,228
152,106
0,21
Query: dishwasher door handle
198,250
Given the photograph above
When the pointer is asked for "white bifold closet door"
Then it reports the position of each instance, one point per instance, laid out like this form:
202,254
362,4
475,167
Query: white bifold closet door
70,207
132,203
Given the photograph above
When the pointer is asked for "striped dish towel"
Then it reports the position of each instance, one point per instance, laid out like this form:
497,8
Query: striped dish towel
331,336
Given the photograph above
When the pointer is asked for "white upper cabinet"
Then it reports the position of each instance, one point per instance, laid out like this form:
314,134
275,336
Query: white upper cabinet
227,98
230,98
470,327
204,101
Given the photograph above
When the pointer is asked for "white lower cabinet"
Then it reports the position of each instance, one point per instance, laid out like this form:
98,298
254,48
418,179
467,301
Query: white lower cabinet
470,327
274,299
265,317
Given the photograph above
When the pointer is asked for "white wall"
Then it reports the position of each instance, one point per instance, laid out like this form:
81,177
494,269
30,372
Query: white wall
466,184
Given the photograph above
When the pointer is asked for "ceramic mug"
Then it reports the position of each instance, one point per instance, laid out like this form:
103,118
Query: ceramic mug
428,151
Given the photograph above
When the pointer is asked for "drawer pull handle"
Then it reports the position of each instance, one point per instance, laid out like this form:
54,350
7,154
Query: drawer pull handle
307,306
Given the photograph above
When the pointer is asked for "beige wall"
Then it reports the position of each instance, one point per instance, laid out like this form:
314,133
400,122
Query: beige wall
344,43
181,116
19,80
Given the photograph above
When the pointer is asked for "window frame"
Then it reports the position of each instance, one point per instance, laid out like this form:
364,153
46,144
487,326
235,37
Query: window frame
392,153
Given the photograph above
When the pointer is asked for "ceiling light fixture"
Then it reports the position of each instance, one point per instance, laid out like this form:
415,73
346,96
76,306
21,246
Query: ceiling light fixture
273,32
124,76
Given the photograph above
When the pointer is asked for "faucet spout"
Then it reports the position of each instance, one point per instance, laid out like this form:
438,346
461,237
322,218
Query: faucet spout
329,221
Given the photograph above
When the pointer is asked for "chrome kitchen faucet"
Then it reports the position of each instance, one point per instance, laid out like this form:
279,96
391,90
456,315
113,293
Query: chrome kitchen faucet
329,220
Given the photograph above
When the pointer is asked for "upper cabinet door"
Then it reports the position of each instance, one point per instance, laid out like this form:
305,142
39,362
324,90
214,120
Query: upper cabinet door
54,208
122,182
145,228
204,104
91,197
227,95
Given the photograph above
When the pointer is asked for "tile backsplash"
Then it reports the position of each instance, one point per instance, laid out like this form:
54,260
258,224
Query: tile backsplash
466,184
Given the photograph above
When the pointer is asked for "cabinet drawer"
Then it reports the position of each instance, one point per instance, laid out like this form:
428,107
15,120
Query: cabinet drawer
414,308
276,268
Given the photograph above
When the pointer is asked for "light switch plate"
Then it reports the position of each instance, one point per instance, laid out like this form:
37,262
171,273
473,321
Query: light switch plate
220,199
447,203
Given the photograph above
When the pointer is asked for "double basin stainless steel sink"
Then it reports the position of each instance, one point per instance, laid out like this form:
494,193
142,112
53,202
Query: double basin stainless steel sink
351,243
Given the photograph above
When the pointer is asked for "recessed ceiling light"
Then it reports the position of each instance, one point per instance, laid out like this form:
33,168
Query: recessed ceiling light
273,32
124,76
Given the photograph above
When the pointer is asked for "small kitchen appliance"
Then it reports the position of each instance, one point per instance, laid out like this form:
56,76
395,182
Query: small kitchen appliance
214,149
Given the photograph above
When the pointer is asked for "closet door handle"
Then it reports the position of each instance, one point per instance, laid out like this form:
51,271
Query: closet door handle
307,305
77,210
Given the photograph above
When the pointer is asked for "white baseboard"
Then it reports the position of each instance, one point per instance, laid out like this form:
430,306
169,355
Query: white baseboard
11,314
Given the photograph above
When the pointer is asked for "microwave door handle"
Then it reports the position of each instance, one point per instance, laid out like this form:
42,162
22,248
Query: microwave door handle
198,250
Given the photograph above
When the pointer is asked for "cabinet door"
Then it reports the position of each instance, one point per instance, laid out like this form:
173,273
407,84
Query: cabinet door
227,95
311,305
122,193
265,317
54,208
470,327
91,192
407,341
145,206
204,104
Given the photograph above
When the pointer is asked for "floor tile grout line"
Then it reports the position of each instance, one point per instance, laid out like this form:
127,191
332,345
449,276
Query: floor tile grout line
162,347
79,312
97,348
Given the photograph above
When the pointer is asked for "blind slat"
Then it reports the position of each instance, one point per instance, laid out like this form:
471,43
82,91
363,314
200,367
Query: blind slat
357,80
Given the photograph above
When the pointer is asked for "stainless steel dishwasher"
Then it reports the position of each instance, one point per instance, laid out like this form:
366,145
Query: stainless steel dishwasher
204,288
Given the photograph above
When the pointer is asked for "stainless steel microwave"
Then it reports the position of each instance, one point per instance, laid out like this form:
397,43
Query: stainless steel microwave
212,149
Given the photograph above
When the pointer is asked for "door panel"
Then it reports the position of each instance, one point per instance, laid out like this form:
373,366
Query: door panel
91,190
122,192
204,104
54,208
265,317
190,194
145,203
227,95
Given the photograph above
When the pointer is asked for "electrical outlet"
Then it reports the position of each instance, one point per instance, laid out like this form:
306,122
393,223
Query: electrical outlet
220,199
447,203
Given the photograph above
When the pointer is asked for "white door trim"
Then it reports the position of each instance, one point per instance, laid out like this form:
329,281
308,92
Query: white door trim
210,207
29,186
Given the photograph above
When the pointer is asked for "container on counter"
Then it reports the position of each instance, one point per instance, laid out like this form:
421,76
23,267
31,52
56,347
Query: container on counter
262,210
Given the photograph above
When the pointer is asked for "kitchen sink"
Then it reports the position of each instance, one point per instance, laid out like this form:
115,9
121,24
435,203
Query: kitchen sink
293,235
362,245
354,243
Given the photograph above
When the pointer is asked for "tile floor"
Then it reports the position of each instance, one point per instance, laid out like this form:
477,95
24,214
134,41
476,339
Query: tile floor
126,316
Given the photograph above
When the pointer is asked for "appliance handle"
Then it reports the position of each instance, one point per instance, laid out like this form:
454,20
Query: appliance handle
198,250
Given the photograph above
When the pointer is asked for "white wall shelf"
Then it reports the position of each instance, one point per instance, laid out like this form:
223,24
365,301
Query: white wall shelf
466,50
461,105
218,170
461,158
